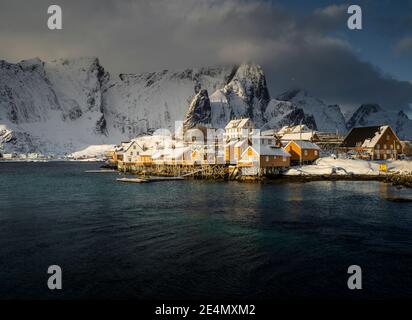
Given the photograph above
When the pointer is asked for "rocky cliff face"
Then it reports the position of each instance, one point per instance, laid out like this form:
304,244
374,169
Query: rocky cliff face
327,117
199,110
284,113
51,107
140,103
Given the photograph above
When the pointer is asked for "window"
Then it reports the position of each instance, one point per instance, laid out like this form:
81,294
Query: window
134,147
305,152
267,158
131,153
384,146
284,159
378,146
130,159
316,152
387,137
398,146
378,156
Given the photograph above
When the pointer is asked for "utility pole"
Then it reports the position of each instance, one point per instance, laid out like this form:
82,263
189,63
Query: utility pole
300,138
394,150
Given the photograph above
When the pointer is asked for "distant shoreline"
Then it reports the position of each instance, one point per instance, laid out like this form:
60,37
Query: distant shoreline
49,160
396,179
402,179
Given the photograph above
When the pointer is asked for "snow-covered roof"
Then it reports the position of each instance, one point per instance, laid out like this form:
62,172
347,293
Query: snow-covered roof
177,153
127,146
273,151
366,137
269,151
261,137
299,128
293,129
240,143
298,136
149,152
237,123
306,144
370,143
283,130
267,133
160,153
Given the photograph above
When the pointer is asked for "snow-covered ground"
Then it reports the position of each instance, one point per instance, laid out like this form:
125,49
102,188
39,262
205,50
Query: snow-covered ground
329,165
92,152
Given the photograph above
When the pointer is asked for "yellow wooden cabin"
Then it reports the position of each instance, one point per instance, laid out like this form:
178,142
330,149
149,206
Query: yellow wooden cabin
302,151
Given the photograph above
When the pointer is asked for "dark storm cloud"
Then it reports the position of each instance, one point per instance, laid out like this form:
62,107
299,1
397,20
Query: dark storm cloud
328,18
133,36
404,46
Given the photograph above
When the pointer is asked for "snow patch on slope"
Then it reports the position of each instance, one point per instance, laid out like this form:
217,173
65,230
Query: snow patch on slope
328,118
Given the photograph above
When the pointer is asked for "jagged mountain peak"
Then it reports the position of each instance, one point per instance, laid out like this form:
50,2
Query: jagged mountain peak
281,113
361,116
370,114
326,117
291,94
31,64
199,111
403,115
77,61
66,104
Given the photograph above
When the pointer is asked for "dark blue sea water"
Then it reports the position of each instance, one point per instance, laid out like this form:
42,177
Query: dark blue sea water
198,239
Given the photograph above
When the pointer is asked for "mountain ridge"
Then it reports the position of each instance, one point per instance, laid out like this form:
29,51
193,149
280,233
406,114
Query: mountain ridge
65,105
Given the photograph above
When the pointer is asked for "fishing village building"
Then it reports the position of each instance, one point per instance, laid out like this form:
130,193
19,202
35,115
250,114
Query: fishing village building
239,150
302,152
372,143
242,150
265,160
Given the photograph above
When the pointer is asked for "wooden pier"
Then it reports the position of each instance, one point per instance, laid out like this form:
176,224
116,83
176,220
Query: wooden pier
149,179
201,171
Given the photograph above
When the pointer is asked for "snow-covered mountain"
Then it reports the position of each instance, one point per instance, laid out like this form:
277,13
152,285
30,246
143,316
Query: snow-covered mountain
328,118
139,103
51,107
373,114
67,105
281,113
245,95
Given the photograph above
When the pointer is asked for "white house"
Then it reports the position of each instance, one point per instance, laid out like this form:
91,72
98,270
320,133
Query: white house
131,152
238,129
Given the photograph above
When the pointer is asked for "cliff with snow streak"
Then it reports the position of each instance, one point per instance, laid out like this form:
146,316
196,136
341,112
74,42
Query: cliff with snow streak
51,107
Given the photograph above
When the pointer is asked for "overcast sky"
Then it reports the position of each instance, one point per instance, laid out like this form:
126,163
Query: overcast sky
299,43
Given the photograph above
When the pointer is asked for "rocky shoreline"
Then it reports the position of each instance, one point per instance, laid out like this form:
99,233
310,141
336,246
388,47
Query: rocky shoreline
400,180
395,179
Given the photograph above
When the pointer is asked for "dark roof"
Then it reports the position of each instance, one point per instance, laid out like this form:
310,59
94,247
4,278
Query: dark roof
359,135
